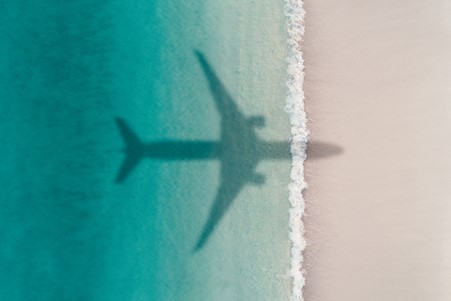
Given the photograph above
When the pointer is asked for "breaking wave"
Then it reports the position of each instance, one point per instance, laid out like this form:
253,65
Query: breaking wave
295,14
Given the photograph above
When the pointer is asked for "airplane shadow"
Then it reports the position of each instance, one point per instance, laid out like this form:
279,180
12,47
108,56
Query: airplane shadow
239,151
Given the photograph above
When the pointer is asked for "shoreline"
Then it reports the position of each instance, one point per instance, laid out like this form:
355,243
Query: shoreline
295,15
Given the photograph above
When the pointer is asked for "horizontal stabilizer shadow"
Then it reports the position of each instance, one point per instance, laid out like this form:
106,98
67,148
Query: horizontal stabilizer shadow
133,150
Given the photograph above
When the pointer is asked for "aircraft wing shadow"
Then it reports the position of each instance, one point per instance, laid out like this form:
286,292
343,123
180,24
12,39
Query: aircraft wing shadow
237,163
224,103
224,198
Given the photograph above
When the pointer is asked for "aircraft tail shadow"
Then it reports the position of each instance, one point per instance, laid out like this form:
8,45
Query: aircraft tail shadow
134,150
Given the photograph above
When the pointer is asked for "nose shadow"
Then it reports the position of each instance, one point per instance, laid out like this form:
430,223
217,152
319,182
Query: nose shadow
320,150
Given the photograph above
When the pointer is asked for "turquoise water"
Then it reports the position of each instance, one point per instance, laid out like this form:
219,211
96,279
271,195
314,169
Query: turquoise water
68,231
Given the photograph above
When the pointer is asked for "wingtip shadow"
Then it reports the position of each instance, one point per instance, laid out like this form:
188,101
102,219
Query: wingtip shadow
196,249
200,56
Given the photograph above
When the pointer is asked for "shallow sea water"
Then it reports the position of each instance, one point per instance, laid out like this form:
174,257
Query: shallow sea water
67,230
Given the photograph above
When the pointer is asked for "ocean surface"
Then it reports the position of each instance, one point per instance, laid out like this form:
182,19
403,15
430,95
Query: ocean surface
77,77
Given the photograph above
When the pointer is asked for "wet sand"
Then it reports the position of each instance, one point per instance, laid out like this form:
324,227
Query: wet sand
378,85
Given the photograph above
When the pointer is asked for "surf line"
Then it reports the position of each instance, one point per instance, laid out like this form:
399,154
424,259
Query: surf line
295,15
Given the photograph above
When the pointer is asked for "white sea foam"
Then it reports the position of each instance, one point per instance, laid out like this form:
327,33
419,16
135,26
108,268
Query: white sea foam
295,14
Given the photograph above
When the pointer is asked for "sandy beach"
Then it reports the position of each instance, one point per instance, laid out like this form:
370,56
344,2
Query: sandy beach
378,86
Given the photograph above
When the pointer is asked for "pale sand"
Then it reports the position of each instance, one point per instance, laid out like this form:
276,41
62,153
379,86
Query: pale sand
378,84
